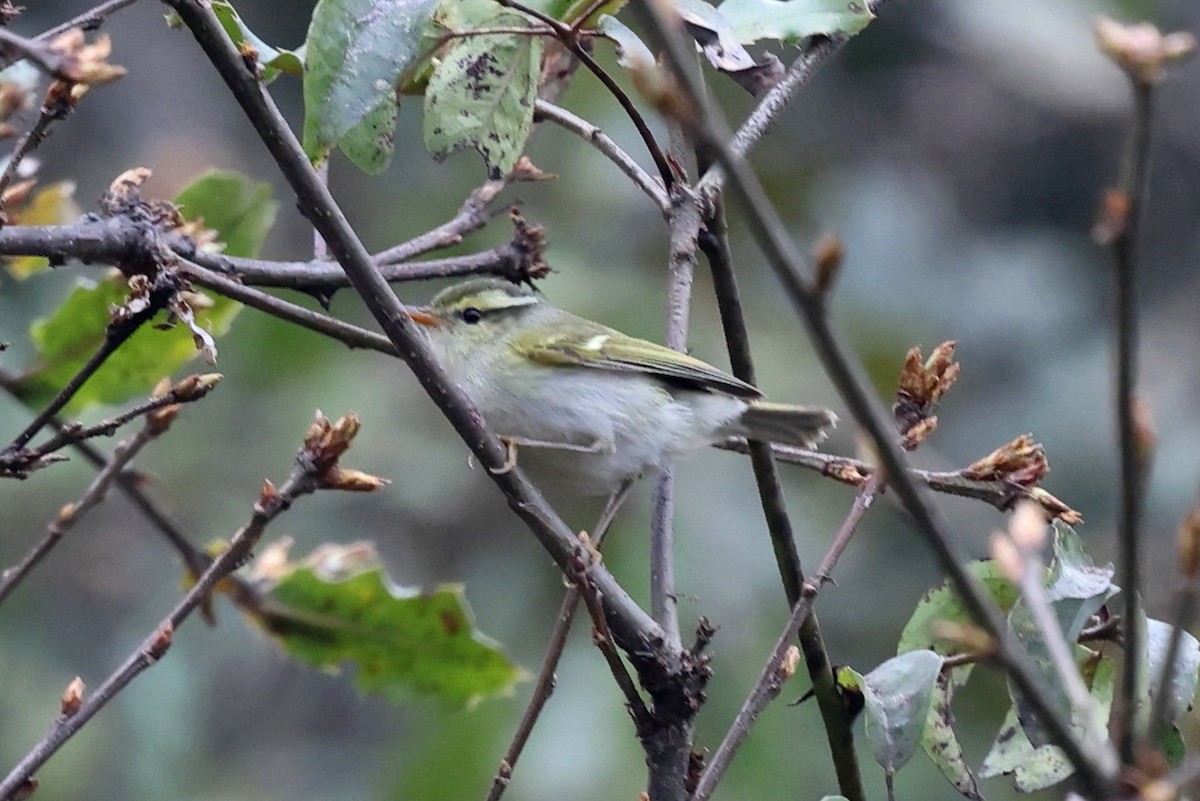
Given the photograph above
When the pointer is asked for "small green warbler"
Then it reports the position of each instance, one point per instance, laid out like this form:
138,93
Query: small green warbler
585,405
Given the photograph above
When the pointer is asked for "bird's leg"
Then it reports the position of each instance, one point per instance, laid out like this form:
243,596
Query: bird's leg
510,457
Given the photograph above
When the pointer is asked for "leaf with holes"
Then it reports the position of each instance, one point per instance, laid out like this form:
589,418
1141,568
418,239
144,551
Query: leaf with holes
790,21
339,606
481,96
356,53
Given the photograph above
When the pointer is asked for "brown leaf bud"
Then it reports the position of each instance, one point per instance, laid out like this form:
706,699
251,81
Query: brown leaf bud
918,433
1189,543
161,642
325,442
1021,461
268,496
527,171
1141,50
72,698
350,480
66,515
196,386
18,193
827,254
1054,507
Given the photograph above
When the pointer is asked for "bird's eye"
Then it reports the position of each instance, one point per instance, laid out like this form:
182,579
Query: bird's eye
471,315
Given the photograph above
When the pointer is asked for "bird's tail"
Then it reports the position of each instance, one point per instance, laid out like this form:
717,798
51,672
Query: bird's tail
802,426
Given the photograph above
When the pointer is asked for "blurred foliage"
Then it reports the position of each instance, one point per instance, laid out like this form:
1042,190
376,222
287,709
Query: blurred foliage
959,150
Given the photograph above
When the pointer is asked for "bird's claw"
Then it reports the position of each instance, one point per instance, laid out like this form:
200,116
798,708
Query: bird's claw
510,458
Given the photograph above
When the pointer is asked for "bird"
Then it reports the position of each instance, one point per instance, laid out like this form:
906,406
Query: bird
584,405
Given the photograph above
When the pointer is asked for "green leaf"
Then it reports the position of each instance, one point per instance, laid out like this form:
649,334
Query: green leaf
355,55
1182,687
1036,768
943,604
1076,589
632,52
339,605
240,212
941,743
898,694
274,60
1173,747
481,95
790,21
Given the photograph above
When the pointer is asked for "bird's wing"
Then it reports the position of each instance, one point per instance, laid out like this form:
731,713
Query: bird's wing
599,347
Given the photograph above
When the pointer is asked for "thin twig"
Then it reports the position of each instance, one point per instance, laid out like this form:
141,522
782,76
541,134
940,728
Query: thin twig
714,242
156,644
115,336
346,333
773,675
471,216
189,389
1125,255
570,39
28,143
508,261
543,686
70,514
631,626
88,20
607,147
849,378
47,59
813,55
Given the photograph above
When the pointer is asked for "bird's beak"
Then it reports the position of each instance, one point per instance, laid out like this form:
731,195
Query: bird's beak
422,317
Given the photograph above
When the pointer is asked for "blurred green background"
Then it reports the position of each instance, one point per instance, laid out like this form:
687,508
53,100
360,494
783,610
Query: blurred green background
958,148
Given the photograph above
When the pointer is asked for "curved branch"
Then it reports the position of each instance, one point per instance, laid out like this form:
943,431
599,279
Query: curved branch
601,141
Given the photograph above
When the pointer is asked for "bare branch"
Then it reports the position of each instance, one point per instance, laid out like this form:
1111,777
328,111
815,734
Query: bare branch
602,142
849,377
770,681
543,686
20,463
714,242
304,479
69,514
88,20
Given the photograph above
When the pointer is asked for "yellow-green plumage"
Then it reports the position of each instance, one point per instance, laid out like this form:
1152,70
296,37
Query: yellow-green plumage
586,403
